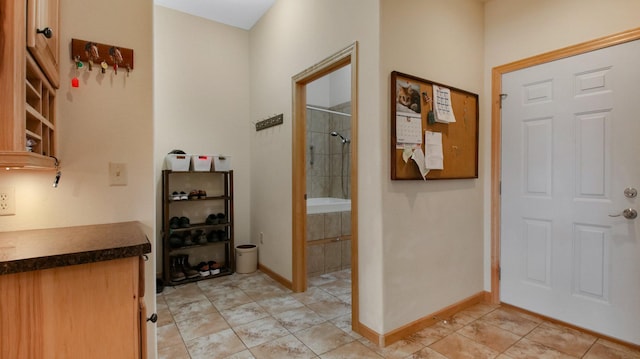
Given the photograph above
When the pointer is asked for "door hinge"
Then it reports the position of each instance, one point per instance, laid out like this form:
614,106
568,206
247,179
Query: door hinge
502,97
499,273
500,188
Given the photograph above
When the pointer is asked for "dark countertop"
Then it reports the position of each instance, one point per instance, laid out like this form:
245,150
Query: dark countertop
23,251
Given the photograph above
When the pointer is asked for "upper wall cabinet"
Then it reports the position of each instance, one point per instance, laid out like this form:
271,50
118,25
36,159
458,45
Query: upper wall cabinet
43,36
29,77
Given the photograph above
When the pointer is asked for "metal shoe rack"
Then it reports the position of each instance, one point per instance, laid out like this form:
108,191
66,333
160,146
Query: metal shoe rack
219,199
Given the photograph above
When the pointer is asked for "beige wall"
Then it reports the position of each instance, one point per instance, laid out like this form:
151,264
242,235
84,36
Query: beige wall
293,36
432,231
202,100
517,29
108,118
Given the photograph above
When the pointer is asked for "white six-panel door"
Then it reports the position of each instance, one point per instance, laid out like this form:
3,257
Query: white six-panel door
570,148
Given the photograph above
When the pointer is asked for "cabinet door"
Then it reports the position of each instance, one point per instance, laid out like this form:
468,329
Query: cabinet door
42,14
91,310
80,311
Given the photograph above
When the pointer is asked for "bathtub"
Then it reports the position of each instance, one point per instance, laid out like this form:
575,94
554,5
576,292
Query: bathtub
327,205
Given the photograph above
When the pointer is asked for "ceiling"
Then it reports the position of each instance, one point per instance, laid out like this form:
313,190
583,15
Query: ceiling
239,13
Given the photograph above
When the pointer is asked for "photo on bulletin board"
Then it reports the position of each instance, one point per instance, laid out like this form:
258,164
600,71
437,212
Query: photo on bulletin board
408,97
434,130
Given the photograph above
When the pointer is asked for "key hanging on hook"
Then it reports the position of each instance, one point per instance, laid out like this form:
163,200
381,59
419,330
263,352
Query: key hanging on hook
79,63
91,50
116,56
75,82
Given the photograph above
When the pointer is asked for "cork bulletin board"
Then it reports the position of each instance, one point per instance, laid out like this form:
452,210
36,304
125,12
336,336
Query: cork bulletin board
450,114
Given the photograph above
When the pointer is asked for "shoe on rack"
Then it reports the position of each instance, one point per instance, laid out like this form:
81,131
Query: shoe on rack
193,194
184,222
176,272
203,268
174,223
212,236
221,218
212,219
200,237
214,267
202,194
188,240
186,267
183,196
176,241
175,196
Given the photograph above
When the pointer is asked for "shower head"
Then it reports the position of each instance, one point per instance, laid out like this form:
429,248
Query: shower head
344,140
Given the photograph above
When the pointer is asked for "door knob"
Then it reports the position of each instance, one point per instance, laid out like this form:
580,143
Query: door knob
628,213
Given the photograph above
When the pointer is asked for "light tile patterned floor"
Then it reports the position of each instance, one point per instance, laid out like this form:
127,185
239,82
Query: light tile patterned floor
251,316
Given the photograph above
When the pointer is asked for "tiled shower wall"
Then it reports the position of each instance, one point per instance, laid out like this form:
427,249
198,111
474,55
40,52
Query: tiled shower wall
325,154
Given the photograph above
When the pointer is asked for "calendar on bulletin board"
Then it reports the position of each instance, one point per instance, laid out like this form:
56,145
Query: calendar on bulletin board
434,130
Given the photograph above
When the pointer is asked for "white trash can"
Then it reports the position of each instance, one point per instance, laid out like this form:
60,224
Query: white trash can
246,258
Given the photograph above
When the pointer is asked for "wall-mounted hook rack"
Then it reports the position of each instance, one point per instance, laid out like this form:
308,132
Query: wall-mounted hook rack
270,122
96,53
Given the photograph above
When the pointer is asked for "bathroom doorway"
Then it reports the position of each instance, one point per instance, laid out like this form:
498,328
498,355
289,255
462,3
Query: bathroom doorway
327,162
325,171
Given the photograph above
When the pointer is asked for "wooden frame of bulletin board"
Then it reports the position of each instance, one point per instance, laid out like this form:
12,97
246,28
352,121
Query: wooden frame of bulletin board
411,99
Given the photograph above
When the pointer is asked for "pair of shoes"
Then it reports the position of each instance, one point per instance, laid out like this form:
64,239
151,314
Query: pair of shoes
181,269
217,236
176,274
179,196
182,222
198,194
216,218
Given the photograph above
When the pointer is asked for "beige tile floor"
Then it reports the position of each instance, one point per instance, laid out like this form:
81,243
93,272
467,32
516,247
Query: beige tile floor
252,316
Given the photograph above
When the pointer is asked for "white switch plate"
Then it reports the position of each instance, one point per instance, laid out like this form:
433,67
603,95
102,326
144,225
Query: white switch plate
117,174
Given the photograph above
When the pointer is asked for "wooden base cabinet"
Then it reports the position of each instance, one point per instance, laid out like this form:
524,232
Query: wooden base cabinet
93,310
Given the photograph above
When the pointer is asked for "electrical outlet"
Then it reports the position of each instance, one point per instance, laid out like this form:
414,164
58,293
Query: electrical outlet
7,201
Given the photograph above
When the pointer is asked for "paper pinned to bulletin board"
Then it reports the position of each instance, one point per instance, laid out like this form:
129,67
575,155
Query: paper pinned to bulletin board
426,115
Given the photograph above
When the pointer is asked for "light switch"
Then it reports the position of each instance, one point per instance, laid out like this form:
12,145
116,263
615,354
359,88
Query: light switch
117,174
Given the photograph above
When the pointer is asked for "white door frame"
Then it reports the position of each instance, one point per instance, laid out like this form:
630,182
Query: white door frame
496,124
